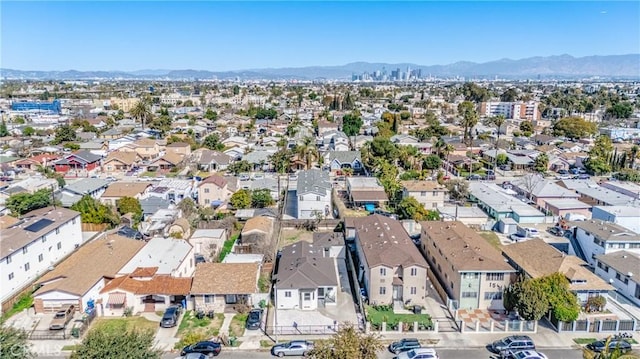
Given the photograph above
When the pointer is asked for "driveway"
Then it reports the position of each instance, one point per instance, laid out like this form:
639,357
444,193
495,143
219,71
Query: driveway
165,337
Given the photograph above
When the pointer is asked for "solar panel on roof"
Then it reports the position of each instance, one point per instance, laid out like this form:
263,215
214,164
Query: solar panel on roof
38,225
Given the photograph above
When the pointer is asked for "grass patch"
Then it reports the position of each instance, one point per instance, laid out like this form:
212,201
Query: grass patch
379,314
236,328
124,324
492,238
264,282
25,301
206,325
266,343
147,174
69,348
583,341
227,246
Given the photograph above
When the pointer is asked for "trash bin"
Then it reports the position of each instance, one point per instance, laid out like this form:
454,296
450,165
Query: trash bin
233,341
417,309
75,332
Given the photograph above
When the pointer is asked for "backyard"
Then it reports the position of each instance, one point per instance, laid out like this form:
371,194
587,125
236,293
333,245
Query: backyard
383,313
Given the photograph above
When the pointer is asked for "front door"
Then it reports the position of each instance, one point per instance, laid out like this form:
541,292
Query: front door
397,292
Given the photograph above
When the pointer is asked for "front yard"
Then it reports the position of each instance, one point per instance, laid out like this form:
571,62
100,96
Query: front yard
124,324
193,330
382,313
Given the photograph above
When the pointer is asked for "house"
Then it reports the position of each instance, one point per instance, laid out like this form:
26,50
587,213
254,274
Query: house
166,162
535,258
158,224
473,217
151,205
306,278
498,203
213,191
270,184
235,141
257,233
73,192
208,160
366,192
35,162
79,279
337,160
121,162
259,159
81,160
208,242
390,266
468,269
173,190
596,237
143,291
626,216
117,190
621,270
429,193
32,244
146,148
212,288
538,189
563,206
313,194
627,188
171,257
181,149
596,195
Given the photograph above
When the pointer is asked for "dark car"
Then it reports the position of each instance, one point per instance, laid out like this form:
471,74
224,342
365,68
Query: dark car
130,233
254,320
404,345
207,348
170,317
518,237
556,231
292,348
598,346
512,343
474,177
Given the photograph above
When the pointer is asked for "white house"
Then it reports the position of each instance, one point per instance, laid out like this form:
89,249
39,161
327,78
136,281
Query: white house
172,257
208,242
598,237
73,192
626,216
313,194
32,245
622,270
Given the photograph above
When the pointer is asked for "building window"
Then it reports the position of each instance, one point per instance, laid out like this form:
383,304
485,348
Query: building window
8,259
634,245
317,198
25,250
208,299
40,257
287,294
300,198
59,245
11,276
492,295
603,267
434,193
27,266
57,230
73,221
307,296
469,295
414,290
495,276
422,194
383,271
44,239
622,278
206,190
383,290
414,272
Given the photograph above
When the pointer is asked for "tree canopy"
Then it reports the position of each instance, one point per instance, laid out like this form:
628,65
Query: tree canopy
241,199
117,344
541,163
23,203
348,343
574,128
64,133
410,208
3,129
469,119
213,142
599,160
92,211
533,298
475,93
130,205
261,198
351,123
15,343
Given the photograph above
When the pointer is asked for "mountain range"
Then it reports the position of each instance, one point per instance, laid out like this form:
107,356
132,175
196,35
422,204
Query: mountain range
559,67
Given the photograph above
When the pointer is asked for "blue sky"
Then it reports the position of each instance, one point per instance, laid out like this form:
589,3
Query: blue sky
219,36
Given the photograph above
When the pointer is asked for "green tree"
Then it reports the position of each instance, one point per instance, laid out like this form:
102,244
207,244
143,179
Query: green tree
432,128
351,123
541,163
241,199
239,167
527,128
92,211
469,119
15,344
162,124
348,343
307,152
64,133
71,146
142,111
213,142
3,129
130,205
117,344
563,303
281,160
410,208
458,189
619,110
261,198
210,115
509,95
502,159
533,303
23,203
28,131
432,162
475,93
574,128
510,298
598,161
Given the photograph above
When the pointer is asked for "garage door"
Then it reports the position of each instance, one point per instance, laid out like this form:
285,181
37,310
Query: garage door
54,306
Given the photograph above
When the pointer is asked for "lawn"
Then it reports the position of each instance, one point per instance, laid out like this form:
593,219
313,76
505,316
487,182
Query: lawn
25,301
582,341
492,238
379,314
124,324
228,246
236,329
206,325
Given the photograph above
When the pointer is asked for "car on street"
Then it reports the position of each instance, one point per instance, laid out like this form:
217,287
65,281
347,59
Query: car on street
474,177
208,348
194,356
505,167
404,345
254,319
418,353
170,317
598,346
62,317
523,354
518,237
556,231
292,348
512,343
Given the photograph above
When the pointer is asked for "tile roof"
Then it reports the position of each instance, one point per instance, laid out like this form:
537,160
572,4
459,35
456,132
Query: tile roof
225,278
373,195
127,158
539,259
385,242
160,284
125,189
90,263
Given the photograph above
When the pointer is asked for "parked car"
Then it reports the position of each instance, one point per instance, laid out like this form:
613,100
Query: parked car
170,317
598,346
418,353
556,231
62,317
254,320
505,167
583,176
194,356
513,343
292,348
404,345
517,237
206,347
474,177
523,354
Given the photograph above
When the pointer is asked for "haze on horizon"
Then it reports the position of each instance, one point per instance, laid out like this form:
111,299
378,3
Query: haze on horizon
223,36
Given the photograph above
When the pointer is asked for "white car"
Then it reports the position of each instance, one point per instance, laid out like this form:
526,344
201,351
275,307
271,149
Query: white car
419,353
527,354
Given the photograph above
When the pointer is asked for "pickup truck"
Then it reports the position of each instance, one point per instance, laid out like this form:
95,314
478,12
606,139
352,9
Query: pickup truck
62,317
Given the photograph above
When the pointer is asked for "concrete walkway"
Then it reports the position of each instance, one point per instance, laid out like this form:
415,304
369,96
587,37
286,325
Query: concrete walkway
224,329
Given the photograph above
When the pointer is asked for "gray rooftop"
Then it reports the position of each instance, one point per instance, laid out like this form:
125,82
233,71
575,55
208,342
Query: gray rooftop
607,231
541,187
566,203
495,197
86,186
303,266
622,261
313,181
621,211
606,196
344,156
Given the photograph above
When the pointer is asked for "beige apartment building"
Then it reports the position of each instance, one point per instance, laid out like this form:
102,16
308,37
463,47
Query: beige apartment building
430,193
468,269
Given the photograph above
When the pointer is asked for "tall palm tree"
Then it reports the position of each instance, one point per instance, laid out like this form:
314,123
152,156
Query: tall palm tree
141,111
497,121
633,154
307,152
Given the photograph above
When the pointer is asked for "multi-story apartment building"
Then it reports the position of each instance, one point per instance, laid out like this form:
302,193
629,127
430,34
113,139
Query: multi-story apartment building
34,244
429,193
468,269
621,269
597,237
511,110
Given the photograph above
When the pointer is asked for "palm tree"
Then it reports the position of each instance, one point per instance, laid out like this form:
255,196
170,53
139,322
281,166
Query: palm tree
633,154
141,111
307,152
497,121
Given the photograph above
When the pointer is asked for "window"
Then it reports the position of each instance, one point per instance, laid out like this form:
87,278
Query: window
469,295
307,296
44,238
622,278
414,272
287,294
383,271
208,298
11,276
206,190
317,198
24,250
57,230
207,201
59,245
492,295
40,257
634,245
495,276
434,205
73,221
300,198
422,194
603,266
27,266
383,290
8,259
414,290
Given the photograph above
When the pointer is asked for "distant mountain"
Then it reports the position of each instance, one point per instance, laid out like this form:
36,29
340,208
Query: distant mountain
562,66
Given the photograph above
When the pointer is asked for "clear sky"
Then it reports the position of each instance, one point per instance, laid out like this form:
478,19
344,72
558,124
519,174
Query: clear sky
219,36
